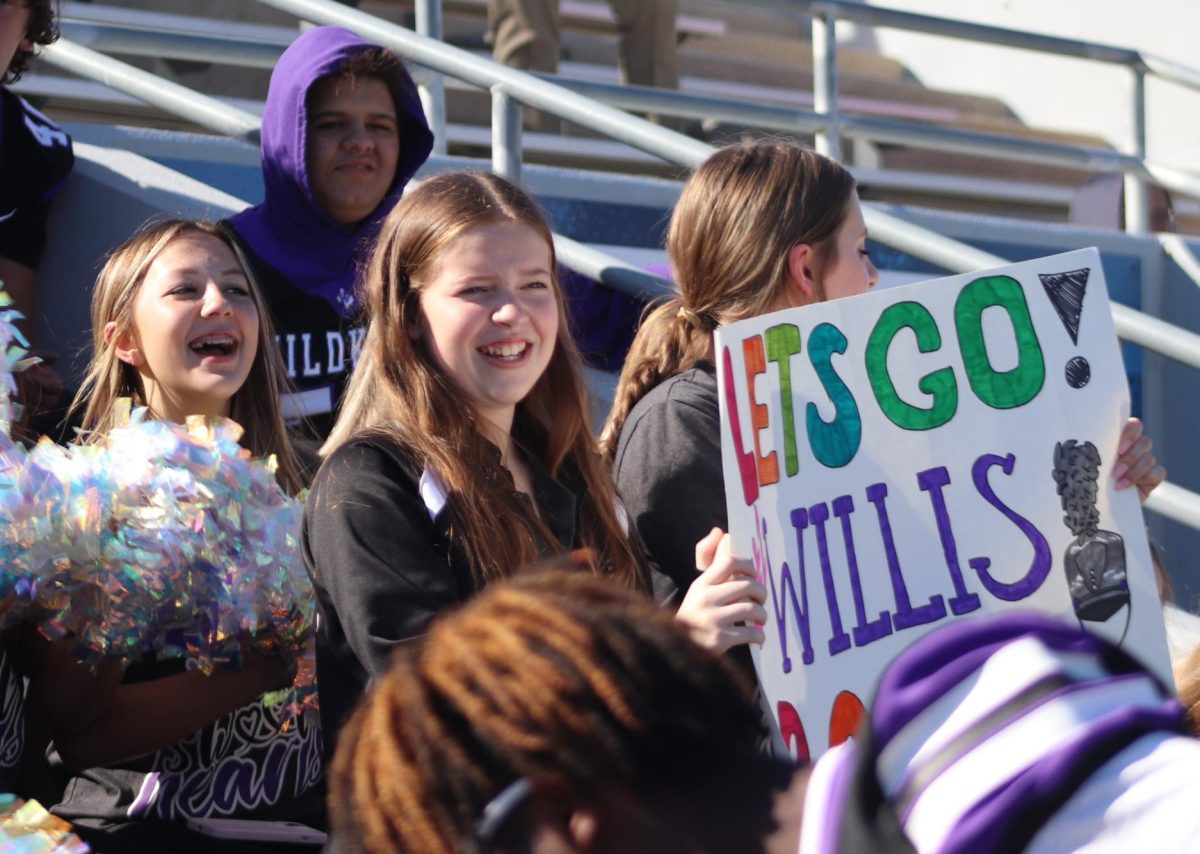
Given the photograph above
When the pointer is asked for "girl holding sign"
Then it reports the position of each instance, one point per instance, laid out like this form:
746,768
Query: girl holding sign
463,449
758,228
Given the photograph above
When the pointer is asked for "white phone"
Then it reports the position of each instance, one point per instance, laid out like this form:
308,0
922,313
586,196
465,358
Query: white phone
257,831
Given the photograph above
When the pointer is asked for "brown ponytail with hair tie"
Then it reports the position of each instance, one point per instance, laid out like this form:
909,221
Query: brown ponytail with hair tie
694,320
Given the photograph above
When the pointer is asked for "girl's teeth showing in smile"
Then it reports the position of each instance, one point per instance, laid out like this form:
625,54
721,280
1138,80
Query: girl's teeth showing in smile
507,351
214,345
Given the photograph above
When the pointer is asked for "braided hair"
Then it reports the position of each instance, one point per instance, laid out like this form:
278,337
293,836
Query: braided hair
560,677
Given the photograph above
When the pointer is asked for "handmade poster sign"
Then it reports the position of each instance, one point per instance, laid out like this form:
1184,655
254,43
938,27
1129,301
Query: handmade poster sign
924,454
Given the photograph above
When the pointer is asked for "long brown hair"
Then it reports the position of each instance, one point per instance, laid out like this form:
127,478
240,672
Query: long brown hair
554,676
398,391
255,406
738,216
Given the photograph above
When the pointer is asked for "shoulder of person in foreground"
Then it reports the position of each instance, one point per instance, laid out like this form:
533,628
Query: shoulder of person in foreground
1013,732
36,152
38,157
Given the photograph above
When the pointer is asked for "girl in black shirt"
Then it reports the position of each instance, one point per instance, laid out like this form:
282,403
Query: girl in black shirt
463,450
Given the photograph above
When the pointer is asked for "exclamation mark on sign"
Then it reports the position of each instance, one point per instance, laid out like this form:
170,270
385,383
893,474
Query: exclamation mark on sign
1066,292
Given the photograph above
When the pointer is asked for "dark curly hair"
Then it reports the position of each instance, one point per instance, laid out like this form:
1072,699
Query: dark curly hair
558,676
42,29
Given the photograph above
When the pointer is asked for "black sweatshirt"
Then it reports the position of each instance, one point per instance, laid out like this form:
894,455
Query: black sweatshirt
668,470
375,541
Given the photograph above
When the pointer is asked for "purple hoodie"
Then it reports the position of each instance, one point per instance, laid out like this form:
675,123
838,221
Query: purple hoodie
1010,732
288,231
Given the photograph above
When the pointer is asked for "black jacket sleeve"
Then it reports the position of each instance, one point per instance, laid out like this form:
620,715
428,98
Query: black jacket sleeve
378,565
668,473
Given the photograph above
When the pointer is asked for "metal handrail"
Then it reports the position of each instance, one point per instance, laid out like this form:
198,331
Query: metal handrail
433,95
179,100
930,246
539,94
922,243
616,274
1174,72
228,120
198,47
825,13
1174,502
980,144
1179,252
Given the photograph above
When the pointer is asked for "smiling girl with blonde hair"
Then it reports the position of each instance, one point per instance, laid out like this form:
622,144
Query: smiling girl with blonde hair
118,368
178,327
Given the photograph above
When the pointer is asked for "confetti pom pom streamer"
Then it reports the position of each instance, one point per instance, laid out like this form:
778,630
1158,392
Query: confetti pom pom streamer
14,350
158,539
17,583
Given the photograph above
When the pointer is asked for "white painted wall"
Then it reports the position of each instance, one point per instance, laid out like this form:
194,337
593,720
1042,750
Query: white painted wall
1063,94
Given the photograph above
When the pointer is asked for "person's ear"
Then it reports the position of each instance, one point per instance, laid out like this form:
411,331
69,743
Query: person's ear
583,826
124,345
800,278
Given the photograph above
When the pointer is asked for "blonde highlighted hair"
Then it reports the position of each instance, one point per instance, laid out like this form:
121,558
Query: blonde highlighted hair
398,391
255,406
736,220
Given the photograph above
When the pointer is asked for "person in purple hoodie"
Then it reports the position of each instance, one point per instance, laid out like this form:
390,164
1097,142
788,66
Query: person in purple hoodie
342,134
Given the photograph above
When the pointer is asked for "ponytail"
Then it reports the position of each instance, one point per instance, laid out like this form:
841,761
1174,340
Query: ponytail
671,338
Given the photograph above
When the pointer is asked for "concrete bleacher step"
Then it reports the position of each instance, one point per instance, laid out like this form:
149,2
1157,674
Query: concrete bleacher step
712,48
954,163
576,15
869,84
750,18
726,51
715,50
759,63
784,52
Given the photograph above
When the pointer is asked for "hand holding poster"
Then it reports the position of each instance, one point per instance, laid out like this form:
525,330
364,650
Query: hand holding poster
913,456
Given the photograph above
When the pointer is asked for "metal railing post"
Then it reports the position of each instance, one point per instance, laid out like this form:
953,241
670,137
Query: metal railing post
825,83
433,95
506,134
1137,195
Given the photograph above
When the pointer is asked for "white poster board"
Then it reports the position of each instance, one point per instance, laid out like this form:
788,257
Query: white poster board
893,462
